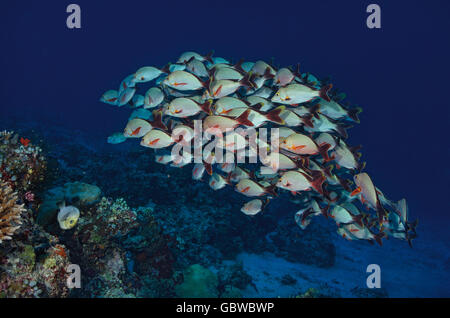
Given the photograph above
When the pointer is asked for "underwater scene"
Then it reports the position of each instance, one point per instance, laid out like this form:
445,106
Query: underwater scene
224,150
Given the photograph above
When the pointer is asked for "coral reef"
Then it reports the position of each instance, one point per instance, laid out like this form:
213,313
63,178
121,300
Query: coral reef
22,164
10,212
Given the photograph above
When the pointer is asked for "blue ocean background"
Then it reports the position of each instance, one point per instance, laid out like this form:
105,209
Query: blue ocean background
53,77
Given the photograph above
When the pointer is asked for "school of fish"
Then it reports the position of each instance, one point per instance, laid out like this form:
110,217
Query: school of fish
314,164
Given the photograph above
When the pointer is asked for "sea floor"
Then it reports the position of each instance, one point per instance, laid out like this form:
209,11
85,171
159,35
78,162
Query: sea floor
421,271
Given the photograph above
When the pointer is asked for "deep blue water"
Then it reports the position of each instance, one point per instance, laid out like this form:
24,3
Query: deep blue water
398,74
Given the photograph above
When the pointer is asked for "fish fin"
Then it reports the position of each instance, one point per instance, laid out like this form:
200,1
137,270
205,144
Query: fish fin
325,210
307,120
274,115
327,170
297,72
208,57
267,74
62,204
353,114
342,131
243,119
166,69
378,238
257,107
323,93
323,150
206,107
265,203
360,167
247,81
314,110
157,120
208,167
358,219
317,181
238,67
271,190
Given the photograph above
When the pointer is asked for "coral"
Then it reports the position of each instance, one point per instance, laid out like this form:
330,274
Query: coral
199,282
10,212
22,165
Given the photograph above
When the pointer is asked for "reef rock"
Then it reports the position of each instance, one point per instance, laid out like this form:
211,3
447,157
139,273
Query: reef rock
199,282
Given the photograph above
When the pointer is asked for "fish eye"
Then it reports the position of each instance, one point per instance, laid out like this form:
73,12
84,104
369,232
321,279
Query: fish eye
142,78
71,221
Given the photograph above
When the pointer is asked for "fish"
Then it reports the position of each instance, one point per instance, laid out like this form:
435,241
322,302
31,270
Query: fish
116,138
345,214
153,97
253,207
164,159
297,93
183,107
187,56
251,188
304,145
225,87
334,110
225,104
126,96
147,74
110,97
183,81
137,128
283,77
198,171
217,181
157,139
67,216
299,180
230,104
142,114
368,193
216,123
197,68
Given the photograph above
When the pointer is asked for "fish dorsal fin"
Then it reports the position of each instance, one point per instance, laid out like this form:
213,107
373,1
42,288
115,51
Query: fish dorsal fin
62,204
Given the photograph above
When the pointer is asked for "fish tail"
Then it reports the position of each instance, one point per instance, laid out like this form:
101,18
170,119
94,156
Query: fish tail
267,74
358,219
314,110
157,120
166,69
307,120
274,115
297,72
317,182
342,131
353,114
243,119
378,238
206,107
208,57
247,81
411,226
238,66
271,190
323,93
323,150
208,167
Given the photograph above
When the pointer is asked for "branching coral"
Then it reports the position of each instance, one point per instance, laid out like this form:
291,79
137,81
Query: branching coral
9,212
